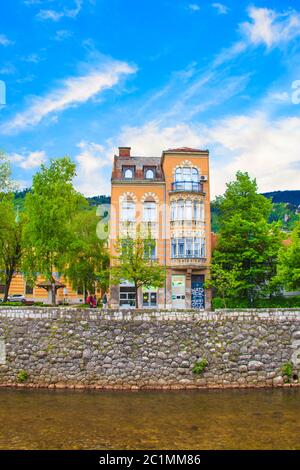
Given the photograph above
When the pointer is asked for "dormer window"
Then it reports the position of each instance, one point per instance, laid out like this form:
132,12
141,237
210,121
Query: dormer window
128,173
149,173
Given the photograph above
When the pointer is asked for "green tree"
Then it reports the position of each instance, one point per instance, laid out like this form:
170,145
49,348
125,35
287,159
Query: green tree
10,227
87,260
50,210
224,282
247,240
289,262
134,263
10,241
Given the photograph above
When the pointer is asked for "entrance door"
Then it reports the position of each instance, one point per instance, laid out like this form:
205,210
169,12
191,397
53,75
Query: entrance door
178,291
149,299
198,294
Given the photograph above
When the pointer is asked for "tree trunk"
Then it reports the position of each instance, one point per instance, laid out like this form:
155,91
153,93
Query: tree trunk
53,294
8,278
136,297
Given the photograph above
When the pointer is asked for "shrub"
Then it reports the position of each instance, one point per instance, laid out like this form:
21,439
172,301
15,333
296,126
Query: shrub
199,367
287,371
22,376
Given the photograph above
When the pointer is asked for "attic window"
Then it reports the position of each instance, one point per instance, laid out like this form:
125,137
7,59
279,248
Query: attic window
128,173
149,174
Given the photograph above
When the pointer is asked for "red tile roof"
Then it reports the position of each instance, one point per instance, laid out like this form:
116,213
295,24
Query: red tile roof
184,149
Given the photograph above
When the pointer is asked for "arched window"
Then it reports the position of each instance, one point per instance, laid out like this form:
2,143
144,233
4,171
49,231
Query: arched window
128,211
149,174
128,173
178,175
187,174
149,214
195,175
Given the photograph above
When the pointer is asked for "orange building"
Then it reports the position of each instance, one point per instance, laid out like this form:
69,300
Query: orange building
38,294
169,195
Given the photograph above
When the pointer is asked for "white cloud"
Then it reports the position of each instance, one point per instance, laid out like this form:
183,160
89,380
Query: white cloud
55,15
62,34
92,160
267,149
194,7
4,41
271,28
72,91
28,160
221,9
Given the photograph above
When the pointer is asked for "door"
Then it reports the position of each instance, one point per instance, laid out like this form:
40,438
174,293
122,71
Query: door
149,299
178,291
198,293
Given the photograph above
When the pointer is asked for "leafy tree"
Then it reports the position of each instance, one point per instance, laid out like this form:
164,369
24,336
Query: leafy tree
248,245
50,210
10,241
224,282
289,262
87,260
10,227
134,263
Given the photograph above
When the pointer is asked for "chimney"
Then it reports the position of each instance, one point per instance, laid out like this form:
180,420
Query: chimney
124,152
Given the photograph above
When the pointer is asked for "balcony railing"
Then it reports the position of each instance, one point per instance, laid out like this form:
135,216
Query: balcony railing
190,186
184,260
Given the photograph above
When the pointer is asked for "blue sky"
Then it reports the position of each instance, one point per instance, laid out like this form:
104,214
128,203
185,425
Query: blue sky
86,76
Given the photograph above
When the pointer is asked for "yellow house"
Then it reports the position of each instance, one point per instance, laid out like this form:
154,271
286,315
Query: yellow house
38,294
170,195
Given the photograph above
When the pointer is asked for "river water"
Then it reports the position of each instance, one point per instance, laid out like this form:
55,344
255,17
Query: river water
225,419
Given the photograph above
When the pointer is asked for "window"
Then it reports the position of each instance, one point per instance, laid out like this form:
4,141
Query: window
188,247
149,174
127,296
187,210
178,174
128,173
187,174
188,214
180,210
149,249
149,211
80,290
173,210
180,250
2,288
128,211
127,246
199,211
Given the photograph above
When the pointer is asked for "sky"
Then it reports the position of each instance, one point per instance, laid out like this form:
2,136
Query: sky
86,76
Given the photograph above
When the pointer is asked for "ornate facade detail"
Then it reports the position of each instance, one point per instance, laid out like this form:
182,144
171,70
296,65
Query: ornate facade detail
128,195
186,163
150,195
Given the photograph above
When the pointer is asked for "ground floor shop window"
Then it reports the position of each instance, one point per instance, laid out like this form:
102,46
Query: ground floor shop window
150,298
127,296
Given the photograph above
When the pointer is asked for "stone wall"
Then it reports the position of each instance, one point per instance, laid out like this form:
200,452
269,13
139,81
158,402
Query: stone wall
68,347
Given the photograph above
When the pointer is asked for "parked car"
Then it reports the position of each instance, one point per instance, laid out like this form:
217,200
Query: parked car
16,298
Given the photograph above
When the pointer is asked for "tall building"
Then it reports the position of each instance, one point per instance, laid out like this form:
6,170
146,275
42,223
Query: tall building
169,195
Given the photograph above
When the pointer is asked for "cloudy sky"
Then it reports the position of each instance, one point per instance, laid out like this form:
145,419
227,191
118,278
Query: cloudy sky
86,76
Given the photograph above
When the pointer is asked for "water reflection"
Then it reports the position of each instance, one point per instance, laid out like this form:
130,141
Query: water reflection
229,419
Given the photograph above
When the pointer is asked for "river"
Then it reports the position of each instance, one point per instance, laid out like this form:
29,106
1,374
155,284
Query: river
225,419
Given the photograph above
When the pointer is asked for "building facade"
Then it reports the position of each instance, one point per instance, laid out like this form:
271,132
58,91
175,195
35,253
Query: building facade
19,286
168,195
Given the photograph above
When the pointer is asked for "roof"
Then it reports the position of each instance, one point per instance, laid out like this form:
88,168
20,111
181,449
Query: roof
48,284
184,149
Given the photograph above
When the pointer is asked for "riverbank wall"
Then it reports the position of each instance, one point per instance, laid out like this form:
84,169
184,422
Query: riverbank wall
83,348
